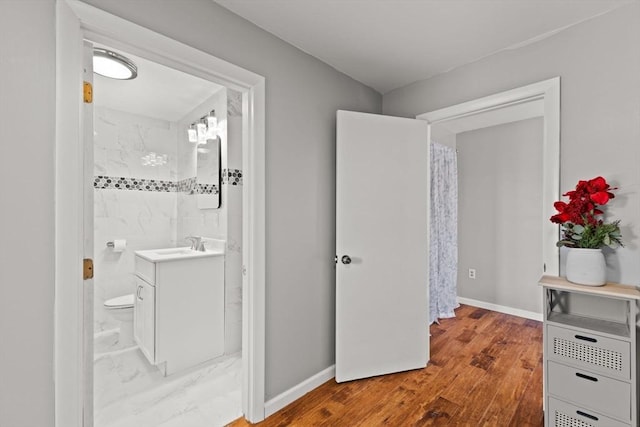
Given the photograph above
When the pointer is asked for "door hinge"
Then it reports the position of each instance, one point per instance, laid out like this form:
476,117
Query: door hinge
87,269
87,92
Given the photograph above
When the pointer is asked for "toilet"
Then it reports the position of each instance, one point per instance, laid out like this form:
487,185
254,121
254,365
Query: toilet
121,308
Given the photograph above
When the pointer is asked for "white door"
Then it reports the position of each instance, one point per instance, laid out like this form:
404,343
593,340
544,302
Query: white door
382,274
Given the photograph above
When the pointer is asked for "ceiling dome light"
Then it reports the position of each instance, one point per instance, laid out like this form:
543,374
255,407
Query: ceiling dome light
113,65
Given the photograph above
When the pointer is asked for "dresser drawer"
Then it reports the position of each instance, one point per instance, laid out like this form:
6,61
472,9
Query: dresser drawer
605,395
563,414
589,351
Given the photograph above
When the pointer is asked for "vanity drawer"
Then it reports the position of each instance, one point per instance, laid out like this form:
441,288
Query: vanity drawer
605,395
563,414
589,351
145,269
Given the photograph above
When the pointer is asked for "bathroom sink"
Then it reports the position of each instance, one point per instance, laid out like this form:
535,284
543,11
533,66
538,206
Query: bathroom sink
174,251
171,254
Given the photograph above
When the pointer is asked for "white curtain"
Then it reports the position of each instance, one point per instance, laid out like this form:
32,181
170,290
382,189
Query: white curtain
443,228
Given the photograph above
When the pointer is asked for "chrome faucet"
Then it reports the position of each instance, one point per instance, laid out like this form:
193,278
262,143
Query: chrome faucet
197,244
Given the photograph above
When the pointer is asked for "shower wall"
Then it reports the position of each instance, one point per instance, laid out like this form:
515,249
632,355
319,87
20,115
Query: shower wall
131,201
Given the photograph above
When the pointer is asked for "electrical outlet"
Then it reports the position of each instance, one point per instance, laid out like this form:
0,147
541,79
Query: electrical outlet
472,273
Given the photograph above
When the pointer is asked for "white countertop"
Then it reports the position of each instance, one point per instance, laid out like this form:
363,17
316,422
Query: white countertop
173,254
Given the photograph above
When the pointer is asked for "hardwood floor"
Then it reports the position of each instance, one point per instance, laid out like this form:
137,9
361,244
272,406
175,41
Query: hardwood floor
485,370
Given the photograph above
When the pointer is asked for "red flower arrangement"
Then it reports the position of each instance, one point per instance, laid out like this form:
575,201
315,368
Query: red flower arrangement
580,219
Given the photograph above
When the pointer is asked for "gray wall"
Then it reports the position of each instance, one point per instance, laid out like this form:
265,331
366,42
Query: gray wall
303,95
499,224
27,134
599,65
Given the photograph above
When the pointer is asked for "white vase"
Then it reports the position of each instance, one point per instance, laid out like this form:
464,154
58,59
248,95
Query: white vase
586,267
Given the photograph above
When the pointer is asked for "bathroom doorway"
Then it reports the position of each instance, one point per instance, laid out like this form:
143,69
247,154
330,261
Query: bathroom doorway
74,341
156,187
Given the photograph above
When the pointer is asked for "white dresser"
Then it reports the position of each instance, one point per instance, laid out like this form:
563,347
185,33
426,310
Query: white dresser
590,354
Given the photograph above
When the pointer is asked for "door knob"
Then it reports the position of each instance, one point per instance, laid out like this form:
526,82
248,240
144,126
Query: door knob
346,259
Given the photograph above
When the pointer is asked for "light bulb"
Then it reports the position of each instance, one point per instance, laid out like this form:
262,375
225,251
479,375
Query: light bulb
193,134
202,133
212,125
212,122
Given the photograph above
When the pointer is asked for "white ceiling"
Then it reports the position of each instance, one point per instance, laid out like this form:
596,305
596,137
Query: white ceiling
159,92
387,44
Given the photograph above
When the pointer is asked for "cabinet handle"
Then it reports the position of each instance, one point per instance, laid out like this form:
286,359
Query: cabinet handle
583,338
138,293
586,377
584,414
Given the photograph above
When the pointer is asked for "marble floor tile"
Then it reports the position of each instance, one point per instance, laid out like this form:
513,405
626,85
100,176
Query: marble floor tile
129,392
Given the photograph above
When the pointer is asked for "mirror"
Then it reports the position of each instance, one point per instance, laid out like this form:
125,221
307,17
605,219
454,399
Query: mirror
208,173
204,130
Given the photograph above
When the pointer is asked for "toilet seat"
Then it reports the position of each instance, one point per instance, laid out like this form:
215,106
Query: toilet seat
124,301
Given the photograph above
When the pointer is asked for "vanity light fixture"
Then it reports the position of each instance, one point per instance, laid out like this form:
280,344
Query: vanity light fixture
212,125
113,65
204,129
212,121
202,133
193,134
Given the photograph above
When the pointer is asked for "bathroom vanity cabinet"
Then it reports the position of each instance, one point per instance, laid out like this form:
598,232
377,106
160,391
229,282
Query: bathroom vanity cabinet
179,307
590,354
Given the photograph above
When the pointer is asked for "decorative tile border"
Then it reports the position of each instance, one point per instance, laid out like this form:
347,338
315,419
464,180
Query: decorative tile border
188,185
207,189
139,184
232,176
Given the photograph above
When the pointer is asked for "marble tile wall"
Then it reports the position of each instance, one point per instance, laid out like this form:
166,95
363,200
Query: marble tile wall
232,189
145,218
157,210
224,223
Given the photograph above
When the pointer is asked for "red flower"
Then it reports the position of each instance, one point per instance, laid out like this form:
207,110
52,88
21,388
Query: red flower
582,226
597,188
601,197
582,207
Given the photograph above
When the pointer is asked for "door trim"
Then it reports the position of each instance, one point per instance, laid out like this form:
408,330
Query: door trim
548,91
102,27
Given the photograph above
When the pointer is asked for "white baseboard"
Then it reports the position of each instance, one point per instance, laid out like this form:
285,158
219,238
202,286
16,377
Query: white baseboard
299,390
502,309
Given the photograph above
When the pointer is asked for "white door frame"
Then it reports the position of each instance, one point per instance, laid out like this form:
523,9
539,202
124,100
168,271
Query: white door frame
549,92
102,27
